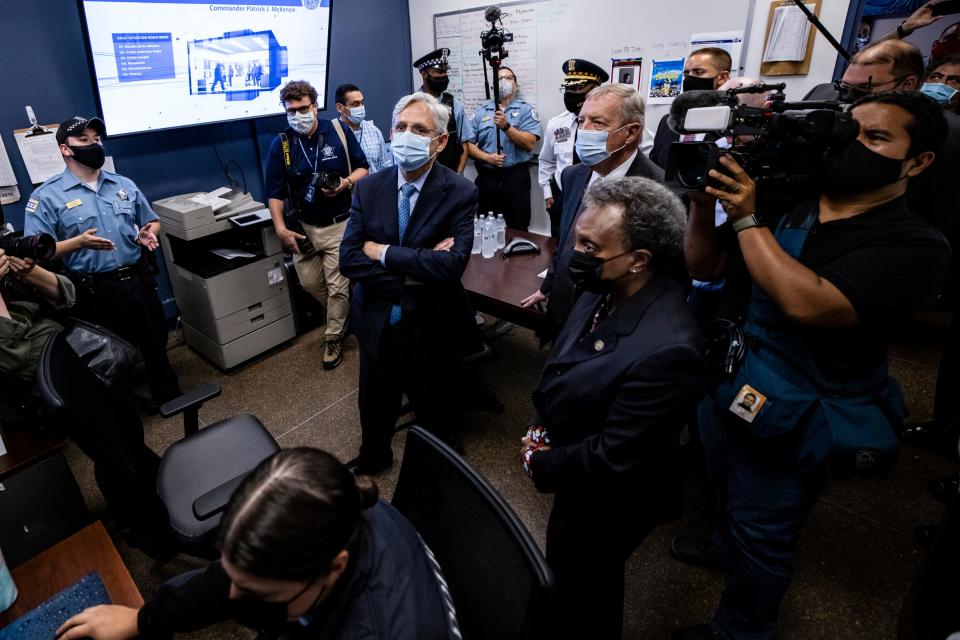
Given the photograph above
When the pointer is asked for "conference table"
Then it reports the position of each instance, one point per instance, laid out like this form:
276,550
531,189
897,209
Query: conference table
86,551
497,285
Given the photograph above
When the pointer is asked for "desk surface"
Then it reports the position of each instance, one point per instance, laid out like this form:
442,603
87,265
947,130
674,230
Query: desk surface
497,286
88,550
27,446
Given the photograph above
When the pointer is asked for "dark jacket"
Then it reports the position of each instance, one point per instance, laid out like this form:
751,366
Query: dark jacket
614,401
574,181
389,590
662,140
425,283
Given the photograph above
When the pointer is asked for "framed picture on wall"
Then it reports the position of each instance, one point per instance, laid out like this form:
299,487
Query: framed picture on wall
626,71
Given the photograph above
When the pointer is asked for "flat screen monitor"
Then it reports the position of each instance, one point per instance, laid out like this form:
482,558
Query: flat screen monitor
161,64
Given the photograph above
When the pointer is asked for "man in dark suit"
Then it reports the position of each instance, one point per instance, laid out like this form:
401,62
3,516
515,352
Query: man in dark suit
704,69
405,248
611,126
612,399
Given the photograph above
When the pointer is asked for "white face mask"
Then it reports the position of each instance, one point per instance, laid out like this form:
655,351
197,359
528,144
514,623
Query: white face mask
301,122
506,87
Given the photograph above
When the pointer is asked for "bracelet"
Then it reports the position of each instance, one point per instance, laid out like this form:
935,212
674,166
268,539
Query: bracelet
901,33
745,223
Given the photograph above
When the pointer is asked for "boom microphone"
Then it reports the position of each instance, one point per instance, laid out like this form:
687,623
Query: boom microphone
492,14
691,100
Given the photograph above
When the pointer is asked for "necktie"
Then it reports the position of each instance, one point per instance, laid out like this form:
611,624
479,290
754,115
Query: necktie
403,218
575,126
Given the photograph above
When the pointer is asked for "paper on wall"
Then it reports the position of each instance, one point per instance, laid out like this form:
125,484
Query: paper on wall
41,153
7,177
788,36
9,195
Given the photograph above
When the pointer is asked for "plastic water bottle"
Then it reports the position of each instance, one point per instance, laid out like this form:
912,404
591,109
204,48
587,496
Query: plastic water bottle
8,590
501,231
477,234
489,239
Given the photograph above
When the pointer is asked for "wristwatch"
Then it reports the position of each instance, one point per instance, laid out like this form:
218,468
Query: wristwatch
507,128
349,183
745,223
901,32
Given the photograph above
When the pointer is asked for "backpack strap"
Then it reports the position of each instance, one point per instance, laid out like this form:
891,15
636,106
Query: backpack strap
343,141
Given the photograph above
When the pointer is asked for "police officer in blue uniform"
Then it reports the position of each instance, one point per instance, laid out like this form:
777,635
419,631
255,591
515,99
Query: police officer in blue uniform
103,223
503,177
433,68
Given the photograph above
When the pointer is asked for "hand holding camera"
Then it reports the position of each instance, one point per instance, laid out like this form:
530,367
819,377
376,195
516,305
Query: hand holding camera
738,192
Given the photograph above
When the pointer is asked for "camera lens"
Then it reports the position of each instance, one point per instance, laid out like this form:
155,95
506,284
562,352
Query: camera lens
692,167
38,247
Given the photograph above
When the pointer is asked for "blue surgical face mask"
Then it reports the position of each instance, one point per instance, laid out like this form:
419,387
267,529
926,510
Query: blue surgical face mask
411,151
938,91
357,114
591,145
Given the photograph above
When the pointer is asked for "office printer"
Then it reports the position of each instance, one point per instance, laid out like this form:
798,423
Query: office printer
226,267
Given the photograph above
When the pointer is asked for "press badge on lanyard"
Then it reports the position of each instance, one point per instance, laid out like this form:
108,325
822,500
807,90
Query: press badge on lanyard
312,187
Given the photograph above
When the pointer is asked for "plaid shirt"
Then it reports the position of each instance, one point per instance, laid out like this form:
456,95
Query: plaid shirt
371,141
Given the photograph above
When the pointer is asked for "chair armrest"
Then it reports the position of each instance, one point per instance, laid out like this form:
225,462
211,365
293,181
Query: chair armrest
214,501
190,400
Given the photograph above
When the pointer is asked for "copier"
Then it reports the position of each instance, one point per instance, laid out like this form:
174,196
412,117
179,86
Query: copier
226,267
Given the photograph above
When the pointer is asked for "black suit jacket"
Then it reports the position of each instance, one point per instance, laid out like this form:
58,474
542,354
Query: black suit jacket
614,401
574,181
425,283
662,140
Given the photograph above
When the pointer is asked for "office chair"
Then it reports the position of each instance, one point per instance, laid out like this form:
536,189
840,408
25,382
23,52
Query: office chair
499,580
198,474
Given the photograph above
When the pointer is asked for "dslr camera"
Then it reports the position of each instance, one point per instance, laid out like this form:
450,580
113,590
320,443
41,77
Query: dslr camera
321,180
493,39
41,246
783,154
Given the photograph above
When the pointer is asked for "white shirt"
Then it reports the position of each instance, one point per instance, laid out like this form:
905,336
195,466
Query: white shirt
557,151
619,172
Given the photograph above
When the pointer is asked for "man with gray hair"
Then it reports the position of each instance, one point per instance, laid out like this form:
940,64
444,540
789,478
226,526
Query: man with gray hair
611,402
405,248
610,127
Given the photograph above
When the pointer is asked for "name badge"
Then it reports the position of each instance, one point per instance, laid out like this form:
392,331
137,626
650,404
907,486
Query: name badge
74,203
747,403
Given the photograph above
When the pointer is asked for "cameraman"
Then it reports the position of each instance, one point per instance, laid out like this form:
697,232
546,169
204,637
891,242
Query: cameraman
310,149
829,282
125,468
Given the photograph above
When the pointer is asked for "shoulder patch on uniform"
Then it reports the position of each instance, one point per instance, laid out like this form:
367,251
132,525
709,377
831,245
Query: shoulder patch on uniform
32,205
535,115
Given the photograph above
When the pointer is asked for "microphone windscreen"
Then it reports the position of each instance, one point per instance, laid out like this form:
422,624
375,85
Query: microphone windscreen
492,14
691,100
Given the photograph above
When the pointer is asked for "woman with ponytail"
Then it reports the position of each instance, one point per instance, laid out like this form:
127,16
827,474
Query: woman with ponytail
307,552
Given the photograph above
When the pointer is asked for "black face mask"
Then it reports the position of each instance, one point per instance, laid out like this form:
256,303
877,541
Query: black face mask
259,614
854,169
574,101
438,85
586,272
693,83
89,155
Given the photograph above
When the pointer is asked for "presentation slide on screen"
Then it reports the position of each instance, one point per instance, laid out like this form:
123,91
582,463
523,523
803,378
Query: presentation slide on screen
163,64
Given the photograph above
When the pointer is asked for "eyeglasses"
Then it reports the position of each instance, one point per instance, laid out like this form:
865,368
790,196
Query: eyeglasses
420,130
868,87
936,76
301,110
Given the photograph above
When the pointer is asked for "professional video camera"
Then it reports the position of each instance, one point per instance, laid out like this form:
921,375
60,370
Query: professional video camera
493,39
781,146
41,246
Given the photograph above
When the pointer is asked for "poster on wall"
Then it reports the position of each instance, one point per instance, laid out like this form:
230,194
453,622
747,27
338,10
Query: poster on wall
665,79
729,41
626,71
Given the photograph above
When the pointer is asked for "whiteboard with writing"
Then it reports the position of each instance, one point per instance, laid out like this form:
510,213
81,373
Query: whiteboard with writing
549,32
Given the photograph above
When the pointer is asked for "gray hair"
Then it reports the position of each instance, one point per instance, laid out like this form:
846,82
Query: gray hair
441,115
631,110
653,217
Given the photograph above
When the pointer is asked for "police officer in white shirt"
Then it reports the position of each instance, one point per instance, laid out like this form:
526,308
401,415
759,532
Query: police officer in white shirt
580,77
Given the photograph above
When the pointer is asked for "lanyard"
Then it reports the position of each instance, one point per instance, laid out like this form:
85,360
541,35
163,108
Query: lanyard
316,156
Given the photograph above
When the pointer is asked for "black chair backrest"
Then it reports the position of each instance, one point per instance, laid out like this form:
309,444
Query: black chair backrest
497,576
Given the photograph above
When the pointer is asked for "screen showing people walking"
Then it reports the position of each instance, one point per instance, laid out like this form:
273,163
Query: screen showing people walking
161,64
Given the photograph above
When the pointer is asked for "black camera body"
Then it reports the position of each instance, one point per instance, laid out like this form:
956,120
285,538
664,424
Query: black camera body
784,155
41,246
494,38
321,180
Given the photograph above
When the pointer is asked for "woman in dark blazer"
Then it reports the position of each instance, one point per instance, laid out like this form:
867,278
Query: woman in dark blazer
622,375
